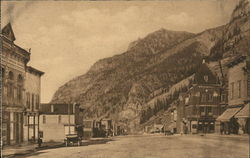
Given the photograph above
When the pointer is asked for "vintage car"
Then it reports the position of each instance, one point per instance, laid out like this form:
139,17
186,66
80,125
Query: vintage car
72,139
76,138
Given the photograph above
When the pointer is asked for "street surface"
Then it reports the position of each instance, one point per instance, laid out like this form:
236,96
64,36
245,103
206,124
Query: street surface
156,146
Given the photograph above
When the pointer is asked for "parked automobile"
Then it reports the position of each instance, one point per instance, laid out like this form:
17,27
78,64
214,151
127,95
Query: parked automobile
168,132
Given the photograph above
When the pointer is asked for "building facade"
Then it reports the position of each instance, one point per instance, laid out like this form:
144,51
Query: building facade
200,105
236,117
14,61
59,120
32,103
89,129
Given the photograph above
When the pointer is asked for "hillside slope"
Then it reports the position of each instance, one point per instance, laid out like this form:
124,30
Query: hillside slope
122,84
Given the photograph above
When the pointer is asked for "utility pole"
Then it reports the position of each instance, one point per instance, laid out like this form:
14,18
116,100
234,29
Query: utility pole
69,116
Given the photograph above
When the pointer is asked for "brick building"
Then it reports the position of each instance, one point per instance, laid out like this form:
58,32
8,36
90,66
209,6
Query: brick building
14,61
200,105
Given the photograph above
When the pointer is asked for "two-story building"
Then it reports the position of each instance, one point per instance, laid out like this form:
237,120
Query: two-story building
32,103
236,118
202,102
14,61
59,120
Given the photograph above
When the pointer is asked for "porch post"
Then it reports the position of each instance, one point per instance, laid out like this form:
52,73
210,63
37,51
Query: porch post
34,127
28,123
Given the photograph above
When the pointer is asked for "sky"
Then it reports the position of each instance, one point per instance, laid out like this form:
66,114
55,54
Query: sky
67,37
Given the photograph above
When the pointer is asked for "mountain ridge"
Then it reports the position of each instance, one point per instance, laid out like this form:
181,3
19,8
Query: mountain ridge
119,87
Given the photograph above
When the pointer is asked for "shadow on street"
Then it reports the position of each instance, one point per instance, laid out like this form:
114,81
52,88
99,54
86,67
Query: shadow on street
42,149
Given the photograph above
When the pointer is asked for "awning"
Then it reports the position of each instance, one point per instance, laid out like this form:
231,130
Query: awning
244,113
228,114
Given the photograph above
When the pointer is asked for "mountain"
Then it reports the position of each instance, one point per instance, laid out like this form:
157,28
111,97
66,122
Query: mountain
236,35
123,83
233,42
120,87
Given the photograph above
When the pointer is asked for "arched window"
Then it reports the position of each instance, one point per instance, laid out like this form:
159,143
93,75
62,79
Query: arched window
3,72
20,79
11,75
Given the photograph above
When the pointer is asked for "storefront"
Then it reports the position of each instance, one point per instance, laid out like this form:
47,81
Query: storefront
227,122
206,126
244,119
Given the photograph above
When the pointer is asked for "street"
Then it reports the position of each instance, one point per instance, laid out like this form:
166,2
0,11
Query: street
156,146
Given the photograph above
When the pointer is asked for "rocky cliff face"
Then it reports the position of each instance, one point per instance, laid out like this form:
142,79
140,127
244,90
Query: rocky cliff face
236,35
120,86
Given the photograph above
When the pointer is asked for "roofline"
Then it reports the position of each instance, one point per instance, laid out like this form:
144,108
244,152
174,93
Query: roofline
32,69
50,113
11,29
237,60
59,104
22,49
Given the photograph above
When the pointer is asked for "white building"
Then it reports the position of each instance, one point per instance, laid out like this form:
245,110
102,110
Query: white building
59,120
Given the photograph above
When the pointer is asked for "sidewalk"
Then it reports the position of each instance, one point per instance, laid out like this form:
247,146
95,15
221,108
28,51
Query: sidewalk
10,151
23,149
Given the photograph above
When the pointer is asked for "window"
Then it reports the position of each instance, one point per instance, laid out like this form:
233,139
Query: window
210,97
52,108
232,90
32,102
203,98
194,126
239,90
73,106
20,79
11,75
206,78
10,88
186,100
44,119
59,119
12,119
28,99
19,94
202,109
194,110
37,102
19,88
209,109
69,130
3,73
223,97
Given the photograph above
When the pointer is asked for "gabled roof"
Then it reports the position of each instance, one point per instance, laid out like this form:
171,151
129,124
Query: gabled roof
205,76
7,31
